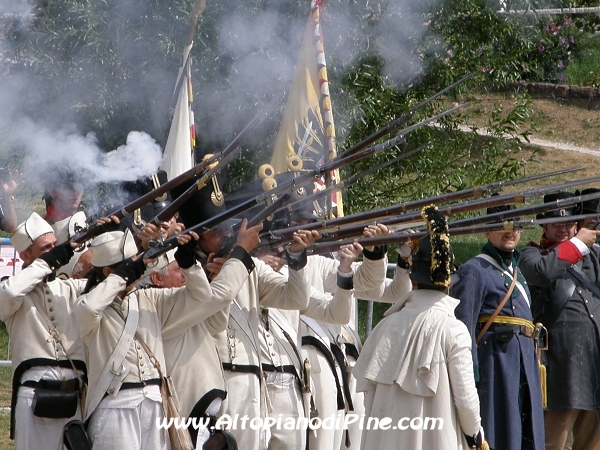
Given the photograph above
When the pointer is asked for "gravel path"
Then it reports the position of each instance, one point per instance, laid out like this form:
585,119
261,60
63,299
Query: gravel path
546,143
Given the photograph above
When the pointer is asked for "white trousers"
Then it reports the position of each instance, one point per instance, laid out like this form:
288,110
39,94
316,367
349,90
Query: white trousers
358,400
244,403
129,428
331,437
286,402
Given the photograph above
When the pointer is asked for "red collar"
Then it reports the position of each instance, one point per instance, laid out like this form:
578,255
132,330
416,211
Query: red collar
54,214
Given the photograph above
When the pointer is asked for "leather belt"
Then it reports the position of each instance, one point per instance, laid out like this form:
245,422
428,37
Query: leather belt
243,368
518,325
516,329
54,385
281,369
152,381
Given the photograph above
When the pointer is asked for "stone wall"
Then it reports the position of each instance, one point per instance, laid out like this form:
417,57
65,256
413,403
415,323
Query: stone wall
585,97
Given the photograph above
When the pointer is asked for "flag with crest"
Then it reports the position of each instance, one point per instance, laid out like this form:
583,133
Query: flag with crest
306,136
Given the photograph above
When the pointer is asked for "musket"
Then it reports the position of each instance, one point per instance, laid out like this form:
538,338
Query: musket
397,123
341,160
504,216
400,237
93,230
164,246
398,139
511,198
169,211
398,213
265,214
348,181
476,192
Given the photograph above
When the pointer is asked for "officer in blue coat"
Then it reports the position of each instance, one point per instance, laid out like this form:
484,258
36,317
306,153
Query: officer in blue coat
504,357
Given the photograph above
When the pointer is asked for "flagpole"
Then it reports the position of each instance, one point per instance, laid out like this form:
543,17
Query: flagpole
199,7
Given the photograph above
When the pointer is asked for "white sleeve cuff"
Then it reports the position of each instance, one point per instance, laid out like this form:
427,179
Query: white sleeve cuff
345,274
584,249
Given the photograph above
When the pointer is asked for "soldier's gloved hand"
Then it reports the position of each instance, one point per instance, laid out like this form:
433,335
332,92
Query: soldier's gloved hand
106,224
186,250
58,256
131,270
478,441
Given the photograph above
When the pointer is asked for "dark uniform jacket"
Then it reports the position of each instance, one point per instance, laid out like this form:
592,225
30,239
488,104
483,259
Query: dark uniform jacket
571,313
506,369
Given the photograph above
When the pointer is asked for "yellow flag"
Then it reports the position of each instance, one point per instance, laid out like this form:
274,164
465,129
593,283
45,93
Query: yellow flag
306,136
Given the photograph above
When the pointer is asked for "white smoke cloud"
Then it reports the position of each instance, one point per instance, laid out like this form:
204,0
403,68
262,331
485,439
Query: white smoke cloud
14,7
260,51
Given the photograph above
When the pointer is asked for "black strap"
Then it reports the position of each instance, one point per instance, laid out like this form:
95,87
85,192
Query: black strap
341,359
351,350
199,409
584,280
54,385
141,384
281,369
242,368
299,375
37,362
315,342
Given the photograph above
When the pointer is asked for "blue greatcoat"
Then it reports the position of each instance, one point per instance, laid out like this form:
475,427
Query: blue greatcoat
506,375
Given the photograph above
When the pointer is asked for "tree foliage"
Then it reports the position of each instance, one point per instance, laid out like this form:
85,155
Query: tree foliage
109,67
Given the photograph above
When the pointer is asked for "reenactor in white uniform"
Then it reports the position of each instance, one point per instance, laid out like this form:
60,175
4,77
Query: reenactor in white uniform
64,230
238,345
47,354
120,327
282,362
191,355
324,342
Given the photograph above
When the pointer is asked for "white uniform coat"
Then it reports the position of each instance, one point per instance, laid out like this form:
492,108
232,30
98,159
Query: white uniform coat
239,344
322,271
161,311
24,300
191,354
417,364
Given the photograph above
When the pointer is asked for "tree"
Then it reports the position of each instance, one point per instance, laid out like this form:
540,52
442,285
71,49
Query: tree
110,67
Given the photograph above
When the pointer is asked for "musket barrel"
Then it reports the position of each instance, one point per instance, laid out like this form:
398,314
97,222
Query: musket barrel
397,123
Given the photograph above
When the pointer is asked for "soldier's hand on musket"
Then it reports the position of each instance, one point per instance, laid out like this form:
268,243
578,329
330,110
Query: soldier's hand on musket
148,232
185,255
348,254
213,265
375,230
248,238
303,239
587,236
276,262
105,225
174,229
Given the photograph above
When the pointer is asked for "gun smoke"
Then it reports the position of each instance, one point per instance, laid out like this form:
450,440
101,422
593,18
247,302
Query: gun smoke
257,50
